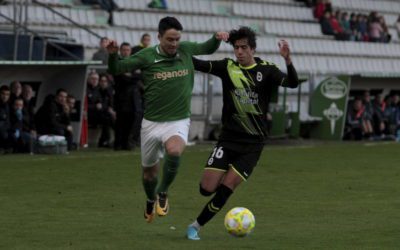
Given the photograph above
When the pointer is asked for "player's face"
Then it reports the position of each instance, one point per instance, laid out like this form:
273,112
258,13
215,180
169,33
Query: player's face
125,51
169,41
243,52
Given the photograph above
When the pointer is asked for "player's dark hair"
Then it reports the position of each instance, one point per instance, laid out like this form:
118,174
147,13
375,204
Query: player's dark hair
4,88
169,22
61,90
125,44
243,32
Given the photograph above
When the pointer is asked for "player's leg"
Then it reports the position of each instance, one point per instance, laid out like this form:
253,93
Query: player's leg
151,152
240,169
175,138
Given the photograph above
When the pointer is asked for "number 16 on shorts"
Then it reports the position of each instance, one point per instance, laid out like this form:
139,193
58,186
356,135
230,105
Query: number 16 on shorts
218,153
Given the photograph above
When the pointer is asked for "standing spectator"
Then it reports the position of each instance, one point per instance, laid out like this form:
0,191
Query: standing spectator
319,9
337,28
29,102
107,114
4,117
345,24
101,54
354,26
145,42
127,99
22,128
16,91
369,109
385,35
393,114
94,99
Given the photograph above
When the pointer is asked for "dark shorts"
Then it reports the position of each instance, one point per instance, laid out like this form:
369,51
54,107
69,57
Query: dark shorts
242,162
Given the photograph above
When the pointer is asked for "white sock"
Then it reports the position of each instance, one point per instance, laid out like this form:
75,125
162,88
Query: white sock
196,225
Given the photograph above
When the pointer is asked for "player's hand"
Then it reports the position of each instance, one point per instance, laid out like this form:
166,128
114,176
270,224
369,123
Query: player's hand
284,50
112,46
222,36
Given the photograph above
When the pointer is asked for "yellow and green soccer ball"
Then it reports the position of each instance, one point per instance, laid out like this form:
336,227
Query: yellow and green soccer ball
239,221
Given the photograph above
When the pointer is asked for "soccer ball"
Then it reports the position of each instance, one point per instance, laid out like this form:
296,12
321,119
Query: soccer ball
239,221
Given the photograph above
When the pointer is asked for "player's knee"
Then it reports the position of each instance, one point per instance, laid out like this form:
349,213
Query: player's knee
205,192
174,151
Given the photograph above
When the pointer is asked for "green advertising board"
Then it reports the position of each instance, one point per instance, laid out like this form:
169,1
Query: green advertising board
329,101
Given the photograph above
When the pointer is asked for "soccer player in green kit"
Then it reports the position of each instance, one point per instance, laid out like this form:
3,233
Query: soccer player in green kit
246,83
168,74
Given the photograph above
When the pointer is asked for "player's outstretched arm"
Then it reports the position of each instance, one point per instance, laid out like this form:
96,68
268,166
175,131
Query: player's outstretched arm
211,45
116,66
291,80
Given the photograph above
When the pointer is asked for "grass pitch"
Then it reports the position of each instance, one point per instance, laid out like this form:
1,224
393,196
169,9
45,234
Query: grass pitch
326,196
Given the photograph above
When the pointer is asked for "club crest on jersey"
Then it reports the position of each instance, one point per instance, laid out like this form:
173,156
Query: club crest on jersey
259,76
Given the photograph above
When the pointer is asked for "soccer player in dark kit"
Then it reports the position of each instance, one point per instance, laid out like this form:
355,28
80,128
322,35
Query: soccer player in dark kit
247,83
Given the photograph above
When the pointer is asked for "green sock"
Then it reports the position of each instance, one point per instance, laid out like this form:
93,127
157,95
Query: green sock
170,169
150,188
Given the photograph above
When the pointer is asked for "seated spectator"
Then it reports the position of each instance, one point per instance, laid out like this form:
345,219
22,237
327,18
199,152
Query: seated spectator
158,4
107,113
51,118
107,5
319,9
72,110
326,26
16,91
29,102
375,29
380,121
355,125
101,54
385,35
22,128
4,117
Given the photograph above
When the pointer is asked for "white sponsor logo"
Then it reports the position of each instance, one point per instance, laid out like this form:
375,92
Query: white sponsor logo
333,88
333,114
157,61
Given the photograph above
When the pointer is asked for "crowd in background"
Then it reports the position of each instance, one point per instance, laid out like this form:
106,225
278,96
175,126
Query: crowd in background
114,103
353,26
376,118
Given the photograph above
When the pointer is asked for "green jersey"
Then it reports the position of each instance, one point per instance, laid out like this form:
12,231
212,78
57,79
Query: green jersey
168,81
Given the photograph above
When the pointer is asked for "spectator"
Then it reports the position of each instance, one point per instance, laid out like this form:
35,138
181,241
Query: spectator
107,114
101,54
158,4
16,91
355,121
345,24
362,27
73,111
326,26
52,119
319,9
368,114
380,122
107,5
385,35
22,128
94,99
375,29
127,103
29,102
337,29
145,42
393,114
4,117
